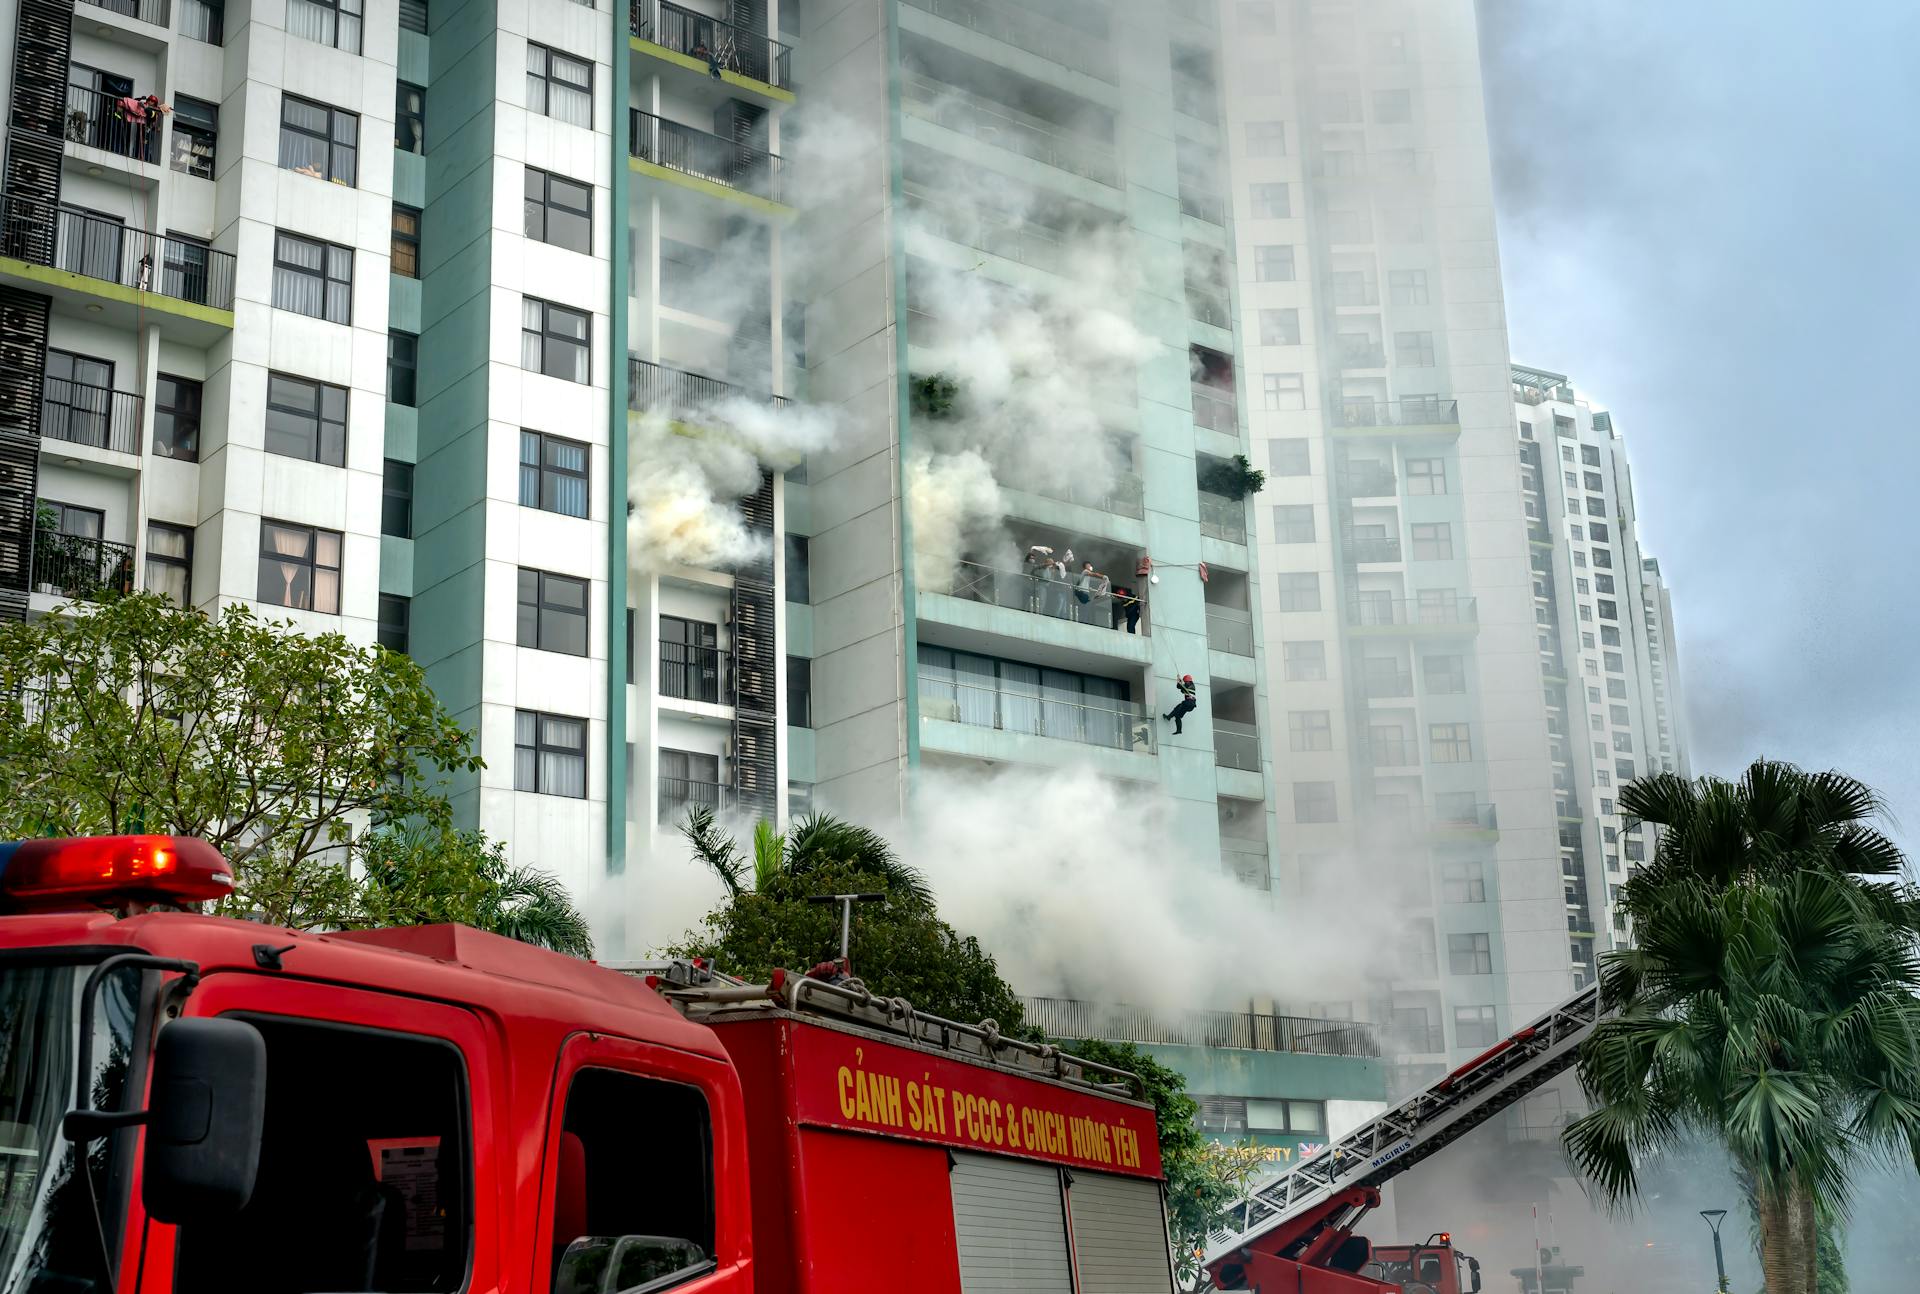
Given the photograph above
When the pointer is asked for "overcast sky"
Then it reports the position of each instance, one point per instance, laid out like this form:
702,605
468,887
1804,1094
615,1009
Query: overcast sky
1710,219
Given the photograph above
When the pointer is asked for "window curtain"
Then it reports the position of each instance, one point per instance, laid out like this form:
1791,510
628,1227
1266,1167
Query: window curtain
200,21
298,282
570,91
563,771
302,147
530,470
350,11
525,768
339,284
536,79
532,327
1063,705
287,583
568,493
311,21
1019,695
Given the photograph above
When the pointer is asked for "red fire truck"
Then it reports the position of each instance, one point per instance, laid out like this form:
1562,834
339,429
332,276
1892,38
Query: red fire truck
209,1106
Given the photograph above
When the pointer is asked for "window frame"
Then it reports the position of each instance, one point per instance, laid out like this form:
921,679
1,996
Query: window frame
1308,667
1332,803
545,338
340,10
1260,195
1279,325
1431,473
541,747
403,375
173,412
318,415
544,467
185,127
311,562
383,624
1413,349
183,564
1292,600
410,119
1474,950
404,241
1275,392
546,206
325,276
396,495
1268,261
547,80
1285,463
332,172
1450,743
542,608
1463,881
1266,138
1434,545
1309,730
1288,527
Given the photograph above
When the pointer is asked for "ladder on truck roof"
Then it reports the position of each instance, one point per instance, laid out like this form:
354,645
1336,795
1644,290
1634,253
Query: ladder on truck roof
1423,1124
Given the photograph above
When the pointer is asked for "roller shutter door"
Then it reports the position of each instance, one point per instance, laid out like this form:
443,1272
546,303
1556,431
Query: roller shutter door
1009,1226
1119,1235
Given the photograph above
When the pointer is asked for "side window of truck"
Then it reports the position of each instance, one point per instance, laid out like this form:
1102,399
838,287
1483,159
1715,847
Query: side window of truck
633,1204
364,1180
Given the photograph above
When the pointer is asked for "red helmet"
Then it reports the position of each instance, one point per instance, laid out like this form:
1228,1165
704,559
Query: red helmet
1186,678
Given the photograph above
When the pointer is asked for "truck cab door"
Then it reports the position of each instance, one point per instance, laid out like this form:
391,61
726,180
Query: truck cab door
644,1180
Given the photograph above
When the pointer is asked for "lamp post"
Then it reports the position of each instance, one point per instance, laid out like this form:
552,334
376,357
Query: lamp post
1713,1217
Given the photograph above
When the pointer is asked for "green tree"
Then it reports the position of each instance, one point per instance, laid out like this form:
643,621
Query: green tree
131,715
415,875
1768,1002
816,841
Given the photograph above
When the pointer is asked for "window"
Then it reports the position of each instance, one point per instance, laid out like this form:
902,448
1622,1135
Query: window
396,499
1623,769
553,474
559,86
1623,743
1593,482
553,613
1444,675
170,561
319,141
1590,455
1634,850
1293,523
1469,955
1407,287
1450,743
1474,1026
1337,107
799,692
196,127
1596,507
687,778
1284,391
409,118
554,340
1309,730
395,613
413,16
1315,802
1426,476
1274,264
203,20
1413,349
299,567
549,754
1586,614
1392,107
1609,834
1288,456
1266,139
1272,202
1603,558
799,582
1573,480
559,211
1463,883
1306,661
1616,689
1608,610
403,368
405,251
1432,541
312,278
176,419
328,22
1615,665
1300,592
1603,583
1280,327
306,420
689,659
1351,225
1402,225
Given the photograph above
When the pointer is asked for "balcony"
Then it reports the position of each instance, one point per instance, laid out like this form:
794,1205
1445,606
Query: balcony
652,386
1363,415
1378,685
680,794
1007,127
1368,483
1469,817
1414,613
1223,518
98,247
1201,204
1209,306
974,225
76,566
718,44
703,155
1019,589
1360,355
1236,745
94,118
1245,1030
1125,496
1082,46
1352,291
1390,752
157,12
1216,409
1230,630
1246,862
1372,548
690,673
83,414
1037,712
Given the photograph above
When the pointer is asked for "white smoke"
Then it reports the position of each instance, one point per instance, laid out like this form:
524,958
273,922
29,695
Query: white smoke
955,505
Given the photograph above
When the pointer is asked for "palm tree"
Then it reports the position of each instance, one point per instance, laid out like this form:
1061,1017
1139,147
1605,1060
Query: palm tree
534,907
415,875
814,843
1768,1003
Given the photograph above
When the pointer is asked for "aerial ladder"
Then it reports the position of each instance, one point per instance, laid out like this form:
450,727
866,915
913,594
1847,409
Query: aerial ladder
1296,1233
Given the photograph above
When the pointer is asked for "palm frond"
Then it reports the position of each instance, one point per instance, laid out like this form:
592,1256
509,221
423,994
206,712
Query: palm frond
535,907
769,854
713,847
819,840
1665,799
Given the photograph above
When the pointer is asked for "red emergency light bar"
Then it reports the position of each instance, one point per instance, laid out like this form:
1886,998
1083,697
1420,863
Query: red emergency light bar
101,871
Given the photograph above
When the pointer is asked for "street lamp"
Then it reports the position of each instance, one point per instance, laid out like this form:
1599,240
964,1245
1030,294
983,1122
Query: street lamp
1713,1217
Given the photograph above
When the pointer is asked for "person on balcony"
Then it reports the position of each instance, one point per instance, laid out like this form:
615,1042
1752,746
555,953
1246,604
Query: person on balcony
1126,606
1091,590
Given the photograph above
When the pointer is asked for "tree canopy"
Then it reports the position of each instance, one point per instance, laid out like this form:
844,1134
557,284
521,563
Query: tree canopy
417,875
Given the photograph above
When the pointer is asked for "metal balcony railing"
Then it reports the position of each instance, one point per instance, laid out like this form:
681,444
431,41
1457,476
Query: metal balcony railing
1230,631
721,44
101,248
1036,711
1474,817
82,414
1223,518
1081,46
679,794
1125,496
1431,412
1236,745
75,566
1007,127
157,12
1411,611
1371,548
1209,306
1071,1019
973,225
691,673
96,119
703,154
1215,409
1021,589
652,386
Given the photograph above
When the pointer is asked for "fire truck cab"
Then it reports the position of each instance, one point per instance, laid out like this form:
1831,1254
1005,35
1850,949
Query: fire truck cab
217,1107
1435,1267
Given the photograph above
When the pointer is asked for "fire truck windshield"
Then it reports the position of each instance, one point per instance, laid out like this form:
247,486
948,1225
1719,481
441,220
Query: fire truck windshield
49,1238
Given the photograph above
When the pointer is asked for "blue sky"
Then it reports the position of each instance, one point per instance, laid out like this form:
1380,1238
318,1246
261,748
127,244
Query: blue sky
1710,218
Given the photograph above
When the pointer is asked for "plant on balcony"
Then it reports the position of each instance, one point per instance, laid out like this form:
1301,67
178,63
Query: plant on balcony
933,396
1233,478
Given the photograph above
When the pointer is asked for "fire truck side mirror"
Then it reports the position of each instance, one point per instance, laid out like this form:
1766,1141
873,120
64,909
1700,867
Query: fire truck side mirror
205,1119
1473,1267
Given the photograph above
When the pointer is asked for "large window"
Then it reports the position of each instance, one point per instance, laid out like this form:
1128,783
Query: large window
306,419
1407,287
319,141
549,754
396,499
196,132
1266,139
1469,955
799,692
1280,327
1300,591
1432,541
553,474
559,211
1444,675
1450,743
1413,349
170,561
555,340
1309,730
1273,264
1271,202
299,567
1012,696
553,612
403,368
313,278
559,85
204,20
405,250
1463,882
1284,391
1474,1026
796,552
329,22
1426,476
1293,523
689,659
1289,456
409,118
1315,802
1306,661
687,778
396,615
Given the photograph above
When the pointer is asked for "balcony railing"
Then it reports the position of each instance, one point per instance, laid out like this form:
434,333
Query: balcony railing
973,225
721,44
1209,306
700,153
1372,548
1474,817
680,794
1246,862
1020,589
75,566
690,673
1378,686
96,119
1082,47
82,414
1223,518
1067,1018
1125,496
1411,611
157,12
1353,292
1433,412
1215,409
1037,711
101,248
652,386
1236,745
1230,631
1007,127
